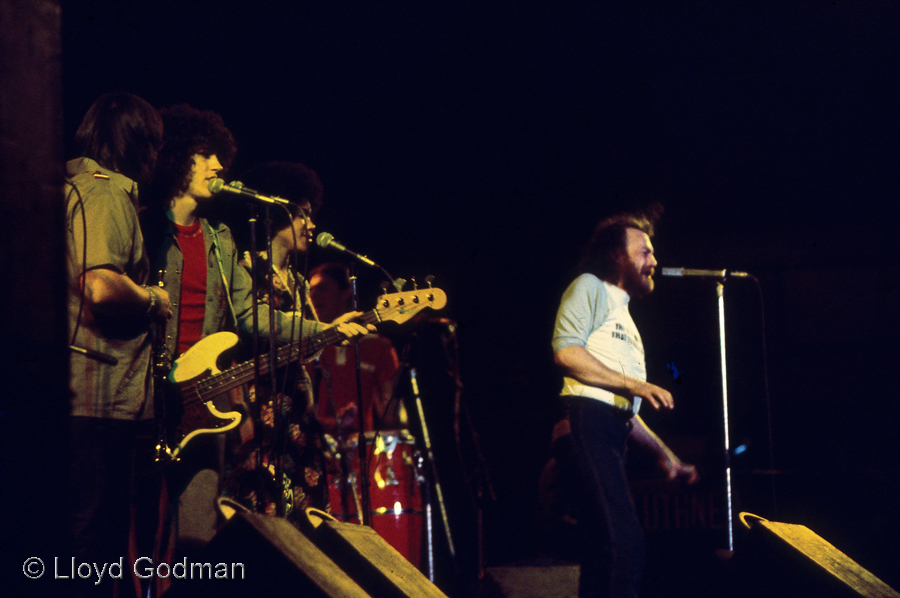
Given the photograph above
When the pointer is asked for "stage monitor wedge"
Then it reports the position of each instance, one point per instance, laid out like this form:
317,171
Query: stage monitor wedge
369,559
275,558
785,559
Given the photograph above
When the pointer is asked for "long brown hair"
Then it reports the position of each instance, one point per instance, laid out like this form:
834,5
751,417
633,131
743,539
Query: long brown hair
121,132
601,254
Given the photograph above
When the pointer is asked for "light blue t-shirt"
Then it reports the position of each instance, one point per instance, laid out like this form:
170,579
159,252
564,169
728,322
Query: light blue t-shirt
594,314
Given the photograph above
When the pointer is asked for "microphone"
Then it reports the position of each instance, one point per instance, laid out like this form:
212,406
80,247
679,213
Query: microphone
706,273
216,185
326,240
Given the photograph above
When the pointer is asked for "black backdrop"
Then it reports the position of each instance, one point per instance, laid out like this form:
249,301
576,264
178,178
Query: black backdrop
481,141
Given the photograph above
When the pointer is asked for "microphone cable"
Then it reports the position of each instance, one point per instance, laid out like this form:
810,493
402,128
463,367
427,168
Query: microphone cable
79,203
766,394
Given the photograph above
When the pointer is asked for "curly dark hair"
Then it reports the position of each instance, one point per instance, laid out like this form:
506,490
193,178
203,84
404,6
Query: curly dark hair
123,132
188,131
293,181
601,254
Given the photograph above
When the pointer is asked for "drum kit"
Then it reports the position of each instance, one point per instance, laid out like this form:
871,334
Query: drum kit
399,483
396,485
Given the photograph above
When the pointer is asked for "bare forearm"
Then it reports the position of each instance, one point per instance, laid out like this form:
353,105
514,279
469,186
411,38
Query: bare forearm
647,438
667,459
579,364
108,291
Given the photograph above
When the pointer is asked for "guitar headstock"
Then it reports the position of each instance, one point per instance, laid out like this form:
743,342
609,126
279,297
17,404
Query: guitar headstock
400,307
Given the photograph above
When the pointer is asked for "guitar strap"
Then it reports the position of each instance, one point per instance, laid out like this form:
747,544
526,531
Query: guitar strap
306,303
224,281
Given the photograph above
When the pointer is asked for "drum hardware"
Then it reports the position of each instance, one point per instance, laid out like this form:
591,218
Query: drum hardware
434,478
396,499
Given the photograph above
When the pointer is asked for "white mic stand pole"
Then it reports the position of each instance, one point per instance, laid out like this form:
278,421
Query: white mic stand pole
721,276
720,294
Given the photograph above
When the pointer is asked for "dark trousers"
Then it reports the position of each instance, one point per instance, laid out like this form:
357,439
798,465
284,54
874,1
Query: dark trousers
592,463
101,470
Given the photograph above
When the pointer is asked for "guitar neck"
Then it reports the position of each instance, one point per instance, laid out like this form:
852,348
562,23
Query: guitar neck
243,373
397,307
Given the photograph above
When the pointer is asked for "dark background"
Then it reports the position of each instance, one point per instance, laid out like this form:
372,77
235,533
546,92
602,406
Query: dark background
480,142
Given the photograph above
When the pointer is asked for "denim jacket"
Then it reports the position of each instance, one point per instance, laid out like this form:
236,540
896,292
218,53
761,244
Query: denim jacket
229,304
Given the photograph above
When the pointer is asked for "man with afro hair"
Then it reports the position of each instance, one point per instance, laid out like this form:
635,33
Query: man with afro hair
199,265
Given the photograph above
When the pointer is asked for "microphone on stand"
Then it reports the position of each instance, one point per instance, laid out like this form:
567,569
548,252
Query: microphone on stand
216,185
326,240
703,273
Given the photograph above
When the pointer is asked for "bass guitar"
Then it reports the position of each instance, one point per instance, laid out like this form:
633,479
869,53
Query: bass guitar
196,377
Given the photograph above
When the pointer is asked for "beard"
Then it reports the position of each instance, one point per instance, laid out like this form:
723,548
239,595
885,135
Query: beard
637,283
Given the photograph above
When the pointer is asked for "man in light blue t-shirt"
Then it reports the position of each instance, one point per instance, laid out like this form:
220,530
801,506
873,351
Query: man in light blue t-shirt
600,352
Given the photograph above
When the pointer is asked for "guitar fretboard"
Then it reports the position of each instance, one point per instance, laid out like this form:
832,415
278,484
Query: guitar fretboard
242,373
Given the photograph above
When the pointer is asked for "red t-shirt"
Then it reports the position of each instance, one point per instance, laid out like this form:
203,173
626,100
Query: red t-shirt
378,365
193,285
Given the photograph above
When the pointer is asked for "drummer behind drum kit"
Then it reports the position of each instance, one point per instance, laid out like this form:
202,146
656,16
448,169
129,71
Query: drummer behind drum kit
396,482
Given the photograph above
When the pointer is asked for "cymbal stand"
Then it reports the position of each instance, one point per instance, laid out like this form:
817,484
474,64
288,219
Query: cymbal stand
436,484
480,473
365,511
422,480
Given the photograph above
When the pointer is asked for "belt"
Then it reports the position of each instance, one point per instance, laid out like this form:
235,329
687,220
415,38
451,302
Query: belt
598,406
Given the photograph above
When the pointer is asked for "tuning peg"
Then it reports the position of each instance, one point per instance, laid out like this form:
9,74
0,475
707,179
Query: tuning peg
398,284
428,280
412,279
384,286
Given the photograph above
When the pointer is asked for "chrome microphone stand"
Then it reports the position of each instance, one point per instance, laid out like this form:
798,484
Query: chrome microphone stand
720,276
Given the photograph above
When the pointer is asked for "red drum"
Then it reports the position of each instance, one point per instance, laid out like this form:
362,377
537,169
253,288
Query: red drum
394,488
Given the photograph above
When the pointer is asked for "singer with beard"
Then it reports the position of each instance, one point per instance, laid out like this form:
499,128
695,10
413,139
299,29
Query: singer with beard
601,355
210,291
